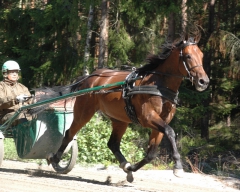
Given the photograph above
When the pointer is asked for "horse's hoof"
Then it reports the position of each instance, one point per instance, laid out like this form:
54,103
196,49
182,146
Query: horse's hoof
49,158
178,173
125,166
130,177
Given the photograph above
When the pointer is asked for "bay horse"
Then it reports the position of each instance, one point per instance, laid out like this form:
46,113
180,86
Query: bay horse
148,98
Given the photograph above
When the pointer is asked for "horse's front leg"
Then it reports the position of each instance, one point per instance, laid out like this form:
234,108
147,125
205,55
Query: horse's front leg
155,140
70,133
178,168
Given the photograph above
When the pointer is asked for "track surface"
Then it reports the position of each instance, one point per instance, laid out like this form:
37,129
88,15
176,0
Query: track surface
31,177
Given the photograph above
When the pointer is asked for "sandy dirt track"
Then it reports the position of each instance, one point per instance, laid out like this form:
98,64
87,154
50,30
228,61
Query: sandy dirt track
31,177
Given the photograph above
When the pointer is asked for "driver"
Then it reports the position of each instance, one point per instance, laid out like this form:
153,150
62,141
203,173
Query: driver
12,93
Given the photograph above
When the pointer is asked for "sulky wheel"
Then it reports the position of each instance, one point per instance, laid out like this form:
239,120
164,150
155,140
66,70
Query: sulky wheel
68,159
1,151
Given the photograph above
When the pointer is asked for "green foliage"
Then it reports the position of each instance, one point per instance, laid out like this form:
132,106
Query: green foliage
191,109
224,98
41,36
227,84
10,149
188,95
120,45
189,143
93,138
225,136
222,109
140,13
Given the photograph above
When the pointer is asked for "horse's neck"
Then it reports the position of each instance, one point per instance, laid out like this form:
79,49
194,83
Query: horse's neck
171,76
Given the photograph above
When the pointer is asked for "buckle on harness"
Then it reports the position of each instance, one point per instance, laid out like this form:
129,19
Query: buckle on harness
129,82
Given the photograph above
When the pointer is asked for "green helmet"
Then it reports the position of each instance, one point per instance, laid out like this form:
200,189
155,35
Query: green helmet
10,65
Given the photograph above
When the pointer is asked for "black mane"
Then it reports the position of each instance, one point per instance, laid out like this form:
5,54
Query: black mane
153,61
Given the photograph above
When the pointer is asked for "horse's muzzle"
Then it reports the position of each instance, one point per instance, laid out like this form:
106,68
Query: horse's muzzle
202,83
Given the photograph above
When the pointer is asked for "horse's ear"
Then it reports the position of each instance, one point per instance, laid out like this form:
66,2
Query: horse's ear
197,38
185,38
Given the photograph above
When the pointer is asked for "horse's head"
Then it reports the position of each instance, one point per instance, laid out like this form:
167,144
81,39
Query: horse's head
191,58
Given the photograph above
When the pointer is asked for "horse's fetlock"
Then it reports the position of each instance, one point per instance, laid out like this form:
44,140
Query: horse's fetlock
56,158
126,166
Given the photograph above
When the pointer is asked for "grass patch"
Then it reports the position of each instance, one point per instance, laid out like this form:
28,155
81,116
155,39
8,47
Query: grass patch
10,151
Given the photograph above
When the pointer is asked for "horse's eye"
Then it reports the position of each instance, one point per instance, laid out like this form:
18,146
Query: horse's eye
188,56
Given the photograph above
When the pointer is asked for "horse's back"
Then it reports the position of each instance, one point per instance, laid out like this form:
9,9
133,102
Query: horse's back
107,76
110,100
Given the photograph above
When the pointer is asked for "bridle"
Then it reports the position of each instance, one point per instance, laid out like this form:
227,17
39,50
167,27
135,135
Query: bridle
190,77
184,63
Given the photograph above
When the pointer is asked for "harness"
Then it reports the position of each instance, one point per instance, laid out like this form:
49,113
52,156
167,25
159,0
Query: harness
129,89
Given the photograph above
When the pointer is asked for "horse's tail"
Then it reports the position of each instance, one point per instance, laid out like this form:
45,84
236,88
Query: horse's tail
45,93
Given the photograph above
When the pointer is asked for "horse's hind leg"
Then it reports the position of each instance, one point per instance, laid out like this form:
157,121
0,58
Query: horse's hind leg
154,141
118,131
82,114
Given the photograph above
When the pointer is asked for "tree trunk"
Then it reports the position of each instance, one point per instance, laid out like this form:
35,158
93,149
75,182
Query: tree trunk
207,63
88,41
103,39
184,15
163,27
171,27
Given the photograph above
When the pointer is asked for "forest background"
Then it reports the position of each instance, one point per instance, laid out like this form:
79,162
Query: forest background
55,41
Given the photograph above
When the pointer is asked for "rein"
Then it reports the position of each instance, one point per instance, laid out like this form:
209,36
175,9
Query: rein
166,74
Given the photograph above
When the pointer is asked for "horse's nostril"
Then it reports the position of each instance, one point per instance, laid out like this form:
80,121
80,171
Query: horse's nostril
201,82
